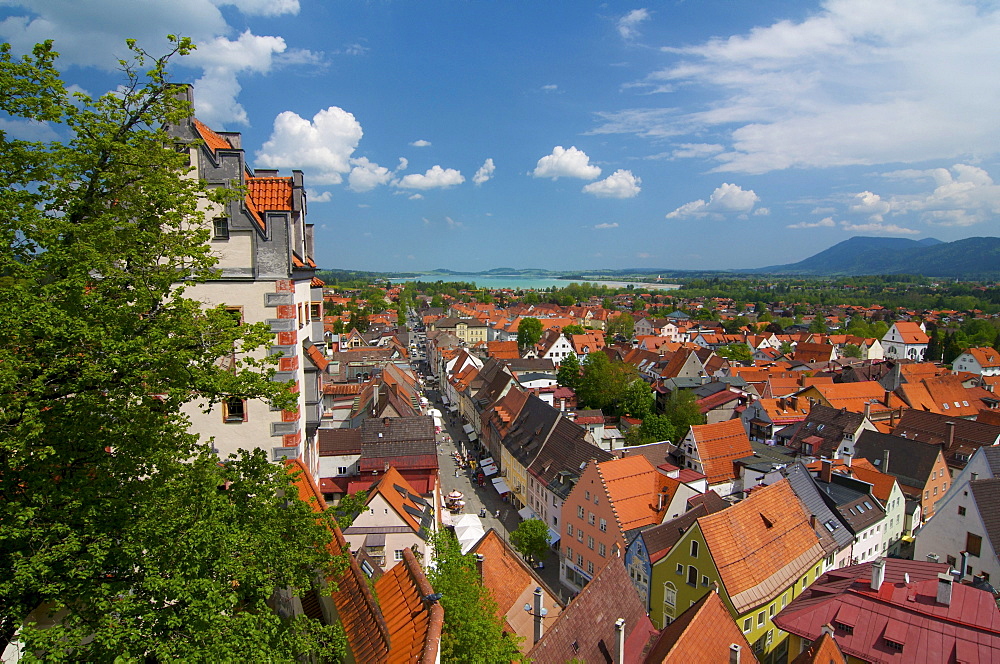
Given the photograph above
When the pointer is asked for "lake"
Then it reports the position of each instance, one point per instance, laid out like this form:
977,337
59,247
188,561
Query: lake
515,282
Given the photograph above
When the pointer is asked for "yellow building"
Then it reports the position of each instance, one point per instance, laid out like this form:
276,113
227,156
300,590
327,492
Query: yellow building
761,553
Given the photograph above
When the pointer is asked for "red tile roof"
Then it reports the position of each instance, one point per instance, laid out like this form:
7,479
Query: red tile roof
271,193
703,633
414,623
718,446
212,140
632,486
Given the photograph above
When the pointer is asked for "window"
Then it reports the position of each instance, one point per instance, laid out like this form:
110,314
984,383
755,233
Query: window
604,526
579,511
579,559
694,548
973,544
760,619
602,550
587,495
680,568
569,553
770,611
927,495
669,595
784,600
747,625
569,529
590,518
398,555
579,534
590,567
220,228
705,580
596,501
692,575
234,410
341,470
933,474
892,645
590,543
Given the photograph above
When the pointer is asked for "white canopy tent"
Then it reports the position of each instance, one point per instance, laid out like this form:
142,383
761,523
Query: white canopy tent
501,485
468,529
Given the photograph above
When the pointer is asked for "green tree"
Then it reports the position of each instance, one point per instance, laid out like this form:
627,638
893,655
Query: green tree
738,353
682,410
654,429
623,324
852,350
531,539
638,400
604,382
573,329
529,331
818,325
112,513
568,374
437,302
349,507
952,348
472,629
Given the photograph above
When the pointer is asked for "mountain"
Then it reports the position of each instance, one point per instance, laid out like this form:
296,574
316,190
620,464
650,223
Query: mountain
971,258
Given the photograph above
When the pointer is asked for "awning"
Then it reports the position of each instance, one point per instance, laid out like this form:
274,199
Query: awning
500,485
444,399
526,513
452,408
488,470
467,428
486,461
472,436
553,536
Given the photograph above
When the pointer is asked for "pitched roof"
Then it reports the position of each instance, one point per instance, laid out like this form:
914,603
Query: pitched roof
829,425
934,428
213,141
907,613
986,357
910,333
660,539
761,545
705,632
910,461
987,496
718,446
336,442
823,651
396,491
414,623
632,485
270,193
585,630
863,469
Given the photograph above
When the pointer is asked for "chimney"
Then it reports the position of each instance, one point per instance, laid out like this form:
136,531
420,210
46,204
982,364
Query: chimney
795,403
734,653
826,471
878,573
885,462
846,458
888,399
965,564
620,640
868,411
539,611
933,557
480,559
950,426
944,589
812,521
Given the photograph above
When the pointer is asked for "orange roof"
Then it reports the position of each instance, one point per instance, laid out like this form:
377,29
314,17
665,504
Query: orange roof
414,624
212,140
911,333
271,193
703,633
632,485
881,483
718,446
986,357
944,395
386,488
852,396
503,350
254,212
761,545
823,651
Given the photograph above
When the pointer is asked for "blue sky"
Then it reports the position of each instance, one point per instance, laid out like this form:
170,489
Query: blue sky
471,135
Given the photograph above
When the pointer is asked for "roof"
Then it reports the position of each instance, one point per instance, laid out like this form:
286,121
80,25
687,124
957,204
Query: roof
705,632
987,497
910,333
213,141
660,539
631,485
270,193
965,630
398,437
929,427
986,357
585,630
396,491
829,425
761,545
824,651
863,469
829,527
414,623
910,461
718,446
336,442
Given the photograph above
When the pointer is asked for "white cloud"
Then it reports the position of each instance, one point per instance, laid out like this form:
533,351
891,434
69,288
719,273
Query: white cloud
725,200
551,87
620,184
366,175
320,197
628,25
870,205
876,227
416,197
603,226
826,222
696,150
452,224
322,147
92,33
962,196
571,163
27,130
854,82
420,143
761,212
485,172
435,178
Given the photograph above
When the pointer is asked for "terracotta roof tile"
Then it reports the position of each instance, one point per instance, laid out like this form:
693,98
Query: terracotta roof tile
414,623
271,193
212,140
703,633
719,445
632,486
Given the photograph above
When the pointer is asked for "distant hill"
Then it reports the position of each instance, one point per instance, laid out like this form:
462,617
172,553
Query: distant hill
971,258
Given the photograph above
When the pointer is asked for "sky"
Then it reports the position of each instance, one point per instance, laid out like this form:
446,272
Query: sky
574,135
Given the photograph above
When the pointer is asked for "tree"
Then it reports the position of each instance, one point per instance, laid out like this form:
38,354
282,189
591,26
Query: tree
682,409
111,511
604,382
529,331
818,325
471,624
349,507
573,329
638,399
852,350
739,353
531,539
623,324
568,374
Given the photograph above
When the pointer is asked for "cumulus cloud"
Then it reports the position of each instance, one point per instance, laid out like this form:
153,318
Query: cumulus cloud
878,228
852,83
420,143
435,178
485,172
727,199
322,146
563,163
628,25
603,226
870,205
826,222
620,184
92,33
962,196
320,197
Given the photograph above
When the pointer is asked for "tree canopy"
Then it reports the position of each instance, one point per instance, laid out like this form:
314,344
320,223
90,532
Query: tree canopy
111,510
531,539
529,331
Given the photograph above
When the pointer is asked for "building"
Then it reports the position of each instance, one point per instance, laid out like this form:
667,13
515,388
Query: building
712,449
829,432
893,610
705,632
905,340
959,438
919,467
981,361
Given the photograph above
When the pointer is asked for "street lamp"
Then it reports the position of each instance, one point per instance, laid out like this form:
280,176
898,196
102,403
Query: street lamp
539,613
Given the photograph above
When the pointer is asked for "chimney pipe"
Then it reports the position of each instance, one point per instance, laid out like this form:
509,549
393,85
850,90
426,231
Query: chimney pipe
620,640
734,653
950,426
812,521
480,558
888,399
878,573
538,614
933,557
868,411
965,564
846,457
826,471
944,589
885,462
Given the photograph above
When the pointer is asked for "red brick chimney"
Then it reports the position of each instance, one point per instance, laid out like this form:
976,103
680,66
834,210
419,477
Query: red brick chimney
826,471
950,440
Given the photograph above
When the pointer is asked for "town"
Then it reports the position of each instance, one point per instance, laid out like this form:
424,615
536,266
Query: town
621,477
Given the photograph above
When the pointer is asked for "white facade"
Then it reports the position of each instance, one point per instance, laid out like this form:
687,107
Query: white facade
383,522
895,345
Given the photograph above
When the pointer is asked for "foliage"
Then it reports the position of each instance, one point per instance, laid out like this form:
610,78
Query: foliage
573,329
818,325
623,324
349,507
638,400
604,382
568,374
531,539
680,412
736,353
529,331
111,510
472,629
852,350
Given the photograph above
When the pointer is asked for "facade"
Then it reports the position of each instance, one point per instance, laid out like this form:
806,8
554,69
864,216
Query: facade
981,361
266,275
905,340
711,449
919,468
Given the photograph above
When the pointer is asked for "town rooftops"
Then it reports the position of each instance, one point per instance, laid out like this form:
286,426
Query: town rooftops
632,485
338,442
910,461
718,446
705,632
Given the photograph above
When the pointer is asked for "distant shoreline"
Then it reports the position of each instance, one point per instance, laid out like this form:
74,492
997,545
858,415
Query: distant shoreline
523,282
